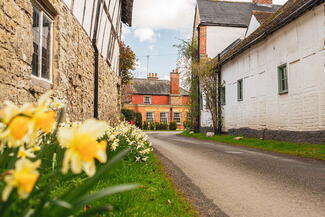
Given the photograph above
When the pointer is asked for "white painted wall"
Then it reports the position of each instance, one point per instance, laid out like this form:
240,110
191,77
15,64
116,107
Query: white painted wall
220,37
253,25
300,44
85,12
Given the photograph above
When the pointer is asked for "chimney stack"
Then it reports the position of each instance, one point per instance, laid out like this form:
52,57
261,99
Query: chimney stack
174,82
152,76
263,2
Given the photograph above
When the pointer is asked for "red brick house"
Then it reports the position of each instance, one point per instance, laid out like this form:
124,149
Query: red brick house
159,100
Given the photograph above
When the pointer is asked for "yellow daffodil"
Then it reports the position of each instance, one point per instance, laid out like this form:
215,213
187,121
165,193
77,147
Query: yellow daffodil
44,117
18,124
82,146
23,178
23,153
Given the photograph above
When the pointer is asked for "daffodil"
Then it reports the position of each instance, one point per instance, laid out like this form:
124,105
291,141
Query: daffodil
44,117
23,178
17,124
82,146
25,153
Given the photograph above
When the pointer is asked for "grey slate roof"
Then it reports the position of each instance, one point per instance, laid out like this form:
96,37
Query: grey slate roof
153,87
224,13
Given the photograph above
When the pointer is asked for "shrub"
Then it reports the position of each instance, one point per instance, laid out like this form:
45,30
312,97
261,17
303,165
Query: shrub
173,125
138,120
152,126
128,114
145,125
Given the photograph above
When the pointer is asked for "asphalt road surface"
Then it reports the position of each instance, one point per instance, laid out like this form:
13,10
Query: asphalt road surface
245,182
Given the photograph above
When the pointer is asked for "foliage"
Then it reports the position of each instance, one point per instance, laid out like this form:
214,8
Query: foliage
316,151
202,80
188,50
162,126
145,125
138,120
131,115
36,147
148,200
128,136
127,63
173,125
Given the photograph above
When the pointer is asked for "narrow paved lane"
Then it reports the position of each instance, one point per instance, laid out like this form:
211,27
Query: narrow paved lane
244,182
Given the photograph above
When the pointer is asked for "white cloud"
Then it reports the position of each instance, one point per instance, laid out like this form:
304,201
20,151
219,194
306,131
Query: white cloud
151,47
163,14
145,34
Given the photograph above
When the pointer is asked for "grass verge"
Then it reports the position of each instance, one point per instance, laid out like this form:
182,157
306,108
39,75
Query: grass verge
156,196
315,151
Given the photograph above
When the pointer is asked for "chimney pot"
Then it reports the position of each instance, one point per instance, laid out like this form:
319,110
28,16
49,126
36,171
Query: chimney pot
156,75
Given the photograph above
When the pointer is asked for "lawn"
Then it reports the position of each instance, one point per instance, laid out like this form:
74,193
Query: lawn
156,195
315,151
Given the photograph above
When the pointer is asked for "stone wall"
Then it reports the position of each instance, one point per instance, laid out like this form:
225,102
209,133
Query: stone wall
73,63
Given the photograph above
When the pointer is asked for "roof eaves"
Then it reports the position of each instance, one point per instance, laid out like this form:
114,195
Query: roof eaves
127,9
289,12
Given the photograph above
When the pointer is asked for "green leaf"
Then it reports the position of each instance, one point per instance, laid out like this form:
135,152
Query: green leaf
63,204
102,193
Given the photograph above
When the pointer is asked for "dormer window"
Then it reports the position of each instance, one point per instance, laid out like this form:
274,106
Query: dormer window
147,99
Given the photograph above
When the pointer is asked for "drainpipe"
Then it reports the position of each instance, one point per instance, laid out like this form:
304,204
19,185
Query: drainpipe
96,61
219,130
198,121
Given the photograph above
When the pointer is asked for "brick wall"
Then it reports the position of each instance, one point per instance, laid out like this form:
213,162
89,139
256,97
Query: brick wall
73,63
203,40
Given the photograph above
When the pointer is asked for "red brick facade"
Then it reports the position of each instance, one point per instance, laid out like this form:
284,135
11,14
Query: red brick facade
175,100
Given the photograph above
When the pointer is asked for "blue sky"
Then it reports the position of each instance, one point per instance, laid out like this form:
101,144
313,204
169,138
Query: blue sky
157,26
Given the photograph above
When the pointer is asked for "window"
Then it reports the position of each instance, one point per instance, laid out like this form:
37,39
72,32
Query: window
150,117
147,100
177,117
163,117
240,90
223,95
283,79
42,44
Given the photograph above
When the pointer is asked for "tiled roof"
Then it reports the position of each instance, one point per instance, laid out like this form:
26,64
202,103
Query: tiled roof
262,16
153,87
289,12
127,8
225,13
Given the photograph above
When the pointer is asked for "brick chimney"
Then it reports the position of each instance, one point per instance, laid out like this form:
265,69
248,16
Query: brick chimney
264,2
152,76
174,82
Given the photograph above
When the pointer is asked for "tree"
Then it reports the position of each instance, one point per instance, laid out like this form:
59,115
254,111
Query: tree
202,78
127,63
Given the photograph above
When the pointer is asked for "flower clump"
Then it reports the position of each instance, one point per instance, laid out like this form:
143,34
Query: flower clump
127,135
27,131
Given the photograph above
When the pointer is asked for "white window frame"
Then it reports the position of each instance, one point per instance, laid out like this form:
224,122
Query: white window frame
165,118
144,100
180,118
42,14
153,116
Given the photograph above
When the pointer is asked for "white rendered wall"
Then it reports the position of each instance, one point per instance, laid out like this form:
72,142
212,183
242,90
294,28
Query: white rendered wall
220,37
300,45
253,25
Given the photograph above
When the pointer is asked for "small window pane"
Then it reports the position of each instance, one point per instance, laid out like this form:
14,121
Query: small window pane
164,117
240,90
149,117
46,48
283,79
177,117
223,96
147,100
36,41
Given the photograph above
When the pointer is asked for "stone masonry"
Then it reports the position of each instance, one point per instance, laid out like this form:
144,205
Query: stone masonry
73,63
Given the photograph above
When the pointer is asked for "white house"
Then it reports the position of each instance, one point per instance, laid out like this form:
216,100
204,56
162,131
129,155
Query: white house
274,80
217,24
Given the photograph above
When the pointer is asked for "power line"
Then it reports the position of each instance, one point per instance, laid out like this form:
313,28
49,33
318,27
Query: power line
157,55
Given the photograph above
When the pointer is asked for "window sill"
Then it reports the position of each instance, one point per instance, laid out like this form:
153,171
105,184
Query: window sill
42,82
283,92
